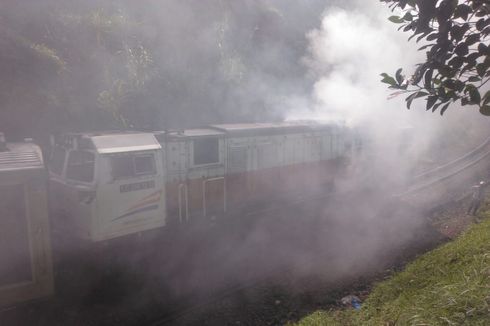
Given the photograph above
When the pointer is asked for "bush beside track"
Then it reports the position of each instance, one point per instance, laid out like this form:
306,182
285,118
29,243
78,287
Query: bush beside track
447,286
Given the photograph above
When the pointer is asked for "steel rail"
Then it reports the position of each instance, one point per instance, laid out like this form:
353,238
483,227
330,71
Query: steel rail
454,162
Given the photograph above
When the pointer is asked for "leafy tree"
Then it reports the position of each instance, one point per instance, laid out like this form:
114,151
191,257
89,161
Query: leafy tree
74,66
455,36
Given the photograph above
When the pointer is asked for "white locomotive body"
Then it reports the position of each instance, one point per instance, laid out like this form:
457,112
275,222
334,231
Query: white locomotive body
107,185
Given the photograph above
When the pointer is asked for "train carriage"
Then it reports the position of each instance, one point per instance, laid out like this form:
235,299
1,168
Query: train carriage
25,248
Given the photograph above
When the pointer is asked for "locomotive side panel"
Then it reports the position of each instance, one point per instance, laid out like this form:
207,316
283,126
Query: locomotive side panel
238,164
195,181
177,193
264,165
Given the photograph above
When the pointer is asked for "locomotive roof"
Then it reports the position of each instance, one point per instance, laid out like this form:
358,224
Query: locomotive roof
112,141
243,129
195,132
272,128
125,142
21,156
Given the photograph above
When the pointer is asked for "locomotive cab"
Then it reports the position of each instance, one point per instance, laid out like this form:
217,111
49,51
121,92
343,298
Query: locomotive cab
107,185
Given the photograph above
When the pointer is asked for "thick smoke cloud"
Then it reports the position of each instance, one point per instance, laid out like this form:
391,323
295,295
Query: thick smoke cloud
346,55
354,44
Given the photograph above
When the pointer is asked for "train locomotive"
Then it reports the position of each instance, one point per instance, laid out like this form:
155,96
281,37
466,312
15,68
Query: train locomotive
106,185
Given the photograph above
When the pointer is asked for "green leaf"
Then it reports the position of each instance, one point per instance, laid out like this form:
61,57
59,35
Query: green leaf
388,80
425,46
413,96
431,100
472,39
408,16
432,36
461,49
472,57
457,32
474,79
396,19
456,62
485,110
399,77
444,108
428,79
474,95
462,11
483,49
481,23
481,69
408,27
486,97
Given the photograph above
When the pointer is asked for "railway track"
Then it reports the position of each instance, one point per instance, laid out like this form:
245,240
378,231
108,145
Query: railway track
448,170
459,170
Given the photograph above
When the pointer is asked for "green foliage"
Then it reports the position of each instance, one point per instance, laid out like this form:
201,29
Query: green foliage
456,35
138,72
76,67
447,286
323,318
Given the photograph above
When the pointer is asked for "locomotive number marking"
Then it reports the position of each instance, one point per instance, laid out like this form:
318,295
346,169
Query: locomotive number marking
137,186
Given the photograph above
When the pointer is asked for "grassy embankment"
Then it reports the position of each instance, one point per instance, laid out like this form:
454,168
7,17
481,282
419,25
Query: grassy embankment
447,286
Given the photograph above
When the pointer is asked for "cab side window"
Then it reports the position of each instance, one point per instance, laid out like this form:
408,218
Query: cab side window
132,165
144,164
206,151
80,166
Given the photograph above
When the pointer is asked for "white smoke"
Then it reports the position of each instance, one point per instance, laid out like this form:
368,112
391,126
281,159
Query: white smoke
347,53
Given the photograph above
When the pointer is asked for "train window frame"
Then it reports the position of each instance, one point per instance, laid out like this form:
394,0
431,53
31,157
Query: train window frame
131,163
216,154
68,166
